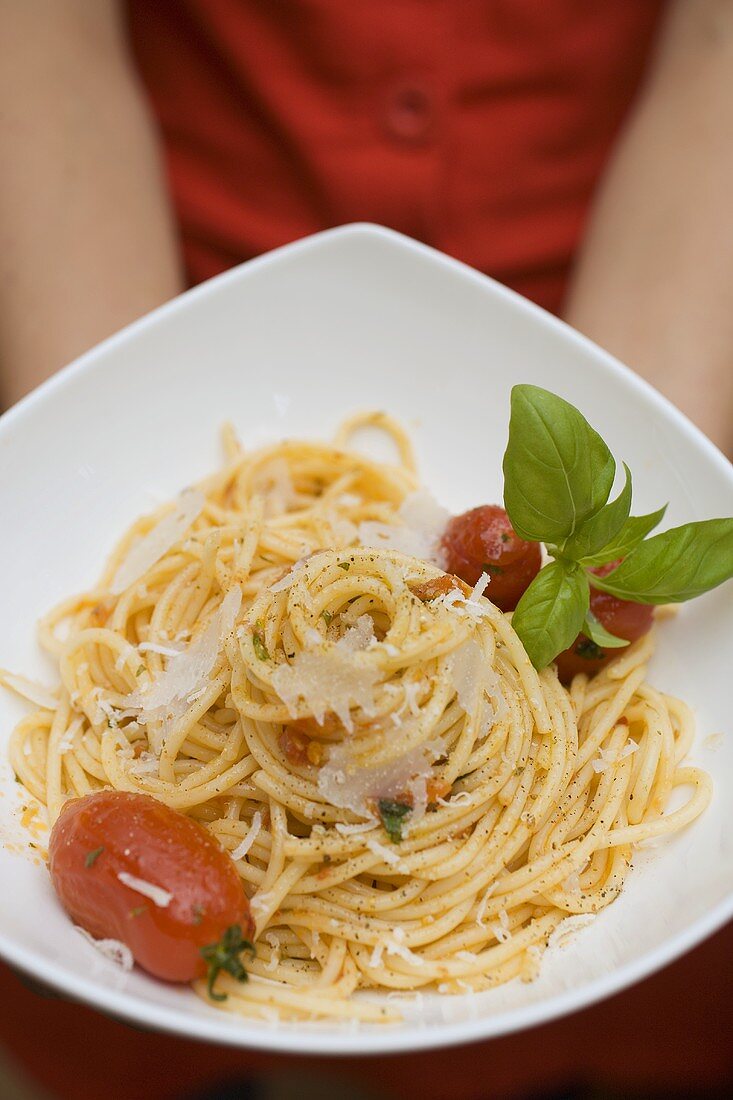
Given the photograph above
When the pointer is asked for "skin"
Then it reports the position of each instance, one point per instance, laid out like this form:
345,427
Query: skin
653,279
87,242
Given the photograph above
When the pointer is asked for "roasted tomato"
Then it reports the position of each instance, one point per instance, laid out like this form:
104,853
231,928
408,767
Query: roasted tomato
620,617
484,541
127,867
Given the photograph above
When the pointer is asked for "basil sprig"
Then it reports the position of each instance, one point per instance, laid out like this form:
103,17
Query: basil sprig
558,475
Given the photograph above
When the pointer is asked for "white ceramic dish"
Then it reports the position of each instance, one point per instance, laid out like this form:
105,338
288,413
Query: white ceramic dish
285,345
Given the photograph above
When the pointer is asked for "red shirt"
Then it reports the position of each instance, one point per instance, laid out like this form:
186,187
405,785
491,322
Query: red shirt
478,126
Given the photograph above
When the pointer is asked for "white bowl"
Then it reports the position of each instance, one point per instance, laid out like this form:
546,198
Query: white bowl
286,345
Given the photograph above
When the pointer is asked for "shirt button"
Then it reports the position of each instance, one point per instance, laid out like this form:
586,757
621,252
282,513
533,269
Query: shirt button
410,115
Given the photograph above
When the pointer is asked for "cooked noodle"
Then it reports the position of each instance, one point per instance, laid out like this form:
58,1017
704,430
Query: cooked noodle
526,798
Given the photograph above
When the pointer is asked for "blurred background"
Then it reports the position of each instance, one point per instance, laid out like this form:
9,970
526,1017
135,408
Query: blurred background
579,152
668,1038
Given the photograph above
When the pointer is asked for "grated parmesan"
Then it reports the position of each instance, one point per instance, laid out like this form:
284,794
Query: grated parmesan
160,897
389,855
241,850
375,959
568,928
66,743
607,757
395,945
472,606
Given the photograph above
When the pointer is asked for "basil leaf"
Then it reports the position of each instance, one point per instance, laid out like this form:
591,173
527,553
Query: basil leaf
675,566
597,633
557,470
550,614
225,955
393,815
631,534
599,530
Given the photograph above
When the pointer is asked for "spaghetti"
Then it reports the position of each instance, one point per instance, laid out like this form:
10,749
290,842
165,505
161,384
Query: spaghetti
409,803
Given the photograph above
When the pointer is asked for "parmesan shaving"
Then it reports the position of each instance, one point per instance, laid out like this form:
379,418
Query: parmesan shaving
290,577
418,534
275,484
375,959
167,697
241,850
331,676
345,783
160,897
483,905
66,743
146,764
29,689
113,950
359,827
261,903
460,798
149,549
156,647
502,934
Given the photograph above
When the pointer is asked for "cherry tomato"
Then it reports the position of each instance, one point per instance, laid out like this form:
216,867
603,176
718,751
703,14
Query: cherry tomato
620,617
484,541
111,833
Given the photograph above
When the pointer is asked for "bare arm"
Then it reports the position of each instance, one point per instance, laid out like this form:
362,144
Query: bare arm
654,283
86,235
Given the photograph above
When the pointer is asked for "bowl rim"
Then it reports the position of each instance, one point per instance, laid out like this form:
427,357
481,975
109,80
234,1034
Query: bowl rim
211,1025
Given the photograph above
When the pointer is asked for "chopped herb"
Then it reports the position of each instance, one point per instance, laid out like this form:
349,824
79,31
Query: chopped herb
504,537
345,565
225,955
92,857
326,616
493,570
588,649
259,642
393,815
138,911
198,914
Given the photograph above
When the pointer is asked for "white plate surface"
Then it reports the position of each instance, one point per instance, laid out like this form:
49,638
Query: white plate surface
286,345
